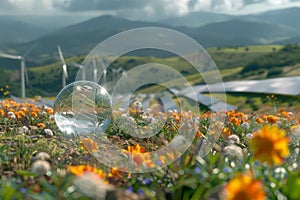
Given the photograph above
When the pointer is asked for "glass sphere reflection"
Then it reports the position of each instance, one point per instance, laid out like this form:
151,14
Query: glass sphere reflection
83,108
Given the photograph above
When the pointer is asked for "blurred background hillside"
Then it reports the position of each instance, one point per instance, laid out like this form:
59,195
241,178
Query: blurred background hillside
247,39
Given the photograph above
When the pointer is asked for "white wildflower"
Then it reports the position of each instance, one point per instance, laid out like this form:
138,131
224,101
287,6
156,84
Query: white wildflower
42,156
23,130
245,125
48,132
233,151
234,139
45,114
137,106
11,115
40,167
93,186
249,135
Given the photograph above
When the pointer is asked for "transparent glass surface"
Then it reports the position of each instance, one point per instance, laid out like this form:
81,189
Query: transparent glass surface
83,108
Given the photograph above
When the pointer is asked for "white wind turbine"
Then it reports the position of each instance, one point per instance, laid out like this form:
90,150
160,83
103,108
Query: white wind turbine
23,69
104,74
80,67
95,70
64,66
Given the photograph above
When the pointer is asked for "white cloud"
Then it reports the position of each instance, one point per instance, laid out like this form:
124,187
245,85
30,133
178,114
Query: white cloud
228,5
142,9
277,2
29,6
179,6
202,5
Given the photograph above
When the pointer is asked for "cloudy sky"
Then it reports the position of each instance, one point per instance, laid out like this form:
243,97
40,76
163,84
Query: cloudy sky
140,9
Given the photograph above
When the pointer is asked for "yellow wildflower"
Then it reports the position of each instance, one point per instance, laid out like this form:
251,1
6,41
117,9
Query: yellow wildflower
81,169
243,186
270,145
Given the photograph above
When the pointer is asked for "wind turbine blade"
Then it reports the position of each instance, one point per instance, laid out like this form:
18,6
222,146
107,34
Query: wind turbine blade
65,70
61,55
77,65
28,51
95,70
3,55
95,74
124,74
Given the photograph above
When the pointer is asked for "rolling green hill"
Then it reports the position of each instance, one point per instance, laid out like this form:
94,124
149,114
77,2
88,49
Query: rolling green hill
232,62
232,57
275,61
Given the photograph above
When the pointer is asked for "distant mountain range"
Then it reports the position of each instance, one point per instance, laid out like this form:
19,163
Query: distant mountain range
209,29
13,31
197,19
289,17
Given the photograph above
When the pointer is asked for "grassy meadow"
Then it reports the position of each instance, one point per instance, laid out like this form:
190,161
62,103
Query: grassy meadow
250,153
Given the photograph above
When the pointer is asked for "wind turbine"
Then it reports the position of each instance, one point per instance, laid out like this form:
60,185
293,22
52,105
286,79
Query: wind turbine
104,71
104,74
95,71
64,66
23,69
80,67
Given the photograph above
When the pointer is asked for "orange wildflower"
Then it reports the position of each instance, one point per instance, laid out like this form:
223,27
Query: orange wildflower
34,114
135,149
284,113
6,105
2,112
270,145
244,187
89,145
206,115
139,156
24,109
49,111
115,172
176,117
171,156
259,120
199,134
41,125
226,131
272,119
81,169
19,114
162,159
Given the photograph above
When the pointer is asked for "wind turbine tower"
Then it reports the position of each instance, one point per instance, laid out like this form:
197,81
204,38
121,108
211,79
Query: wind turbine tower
23,68
64,66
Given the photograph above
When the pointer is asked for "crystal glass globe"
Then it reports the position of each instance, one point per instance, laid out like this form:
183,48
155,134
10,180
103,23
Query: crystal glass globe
83,108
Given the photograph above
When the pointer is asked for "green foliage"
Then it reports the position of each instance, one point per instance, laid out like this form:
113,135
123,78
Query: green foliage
291,188
287,56
274,72
233,57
